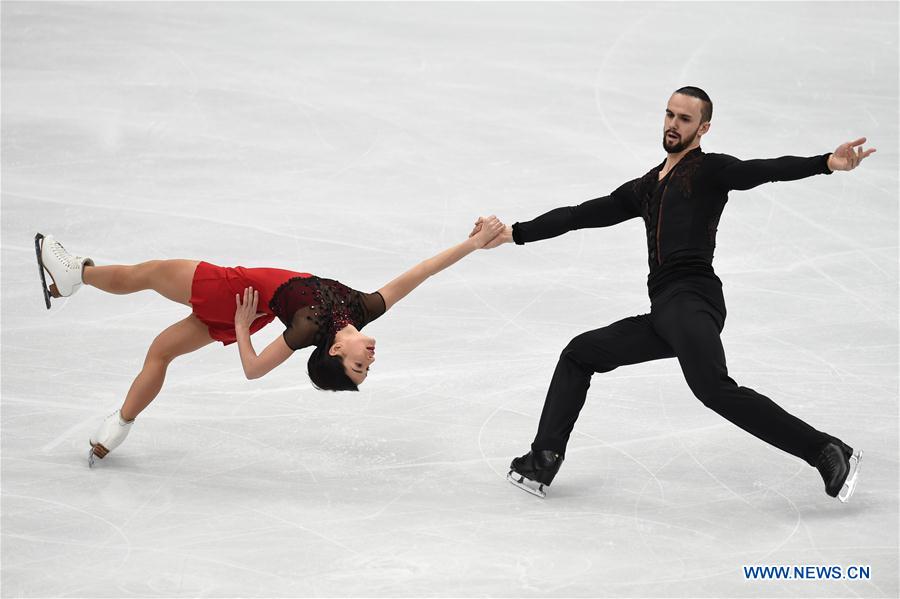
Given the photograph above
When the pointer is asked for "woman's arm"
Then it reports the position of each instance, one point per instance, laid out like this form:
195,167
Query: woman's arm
400,287
274,354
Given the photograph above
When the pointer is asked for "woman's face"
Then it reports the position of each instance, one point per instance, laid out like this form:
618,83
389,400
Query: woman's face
357,352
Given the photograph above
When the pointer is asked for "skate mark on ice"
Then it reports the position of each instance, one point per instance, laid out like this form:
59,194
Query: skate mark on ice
126,205
814,357
162,484
863,300
643,440
693,456
191,556
499,317
308,530
253,441
741,497
770,196
413,484
118,529
349,165
484,458
484,424
631,457
68,434
626,33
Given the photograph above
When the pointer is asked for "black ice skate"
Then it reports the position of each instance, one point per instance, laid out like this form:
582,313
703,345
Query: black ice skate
839,467
532,471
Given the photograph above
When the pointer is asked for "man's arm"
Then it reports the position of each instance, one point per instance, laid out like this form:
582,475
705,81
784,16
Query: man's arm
609,210
747,174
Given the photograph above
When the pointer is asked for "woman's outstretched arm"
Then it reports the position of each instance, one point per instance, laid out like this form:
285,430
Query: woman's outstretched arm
400,287
274,354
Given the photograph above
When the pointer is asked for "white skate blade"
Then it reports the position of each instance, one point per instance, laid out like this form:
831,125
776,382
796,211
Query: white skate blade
850,483
526,484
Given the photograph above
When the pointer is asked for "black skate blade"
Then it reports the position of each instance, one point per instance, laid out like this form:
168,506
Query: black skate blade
526,484
852,478
38,239
91,458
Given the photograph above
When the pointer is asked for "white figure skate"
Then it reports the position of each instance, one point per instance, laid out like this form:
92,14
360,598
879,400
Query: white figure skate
65,270
109,436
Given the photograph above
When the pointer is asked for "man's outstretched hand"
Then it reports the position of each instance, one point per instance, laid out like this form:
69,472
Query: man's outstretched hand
848,155
505,235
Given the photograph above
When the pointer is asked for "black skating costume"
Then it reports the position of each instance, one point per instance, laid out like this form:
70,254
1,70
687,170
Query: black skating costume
681,212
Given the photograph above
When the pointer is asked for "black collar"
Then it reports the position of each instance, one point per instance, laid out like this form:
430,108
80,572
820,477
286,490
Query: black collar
692,154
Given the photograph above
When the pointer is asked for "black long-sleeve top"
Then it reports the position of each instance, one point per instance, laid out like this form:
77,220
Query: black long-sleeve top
681,212
313,309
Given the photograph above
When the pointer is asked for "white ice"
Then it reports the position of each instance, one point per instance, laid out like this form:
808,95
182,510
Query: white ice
353,140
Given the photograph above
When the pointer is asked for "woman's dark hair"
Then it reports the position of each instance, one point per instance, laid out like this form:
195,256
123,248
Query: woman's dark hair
696,92
326,371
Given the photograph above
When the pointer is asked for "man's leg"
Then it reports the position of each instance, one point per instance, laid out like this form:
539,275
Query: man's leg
628,341
691,327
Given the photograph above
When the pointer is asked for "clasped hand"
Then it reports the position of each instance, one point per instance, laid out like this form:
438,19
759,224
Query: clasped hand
490,232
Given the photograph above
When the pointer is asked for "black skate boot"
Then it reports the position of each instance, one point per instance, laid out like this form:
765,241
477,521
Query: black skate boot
839,467
532,471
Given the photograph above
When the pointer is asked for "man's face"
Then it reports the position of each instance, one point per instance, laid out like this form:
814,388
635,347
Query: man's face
682,123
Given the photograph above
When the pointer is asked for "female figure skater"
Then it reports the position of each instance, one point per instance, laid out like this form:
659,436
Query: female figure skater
230,304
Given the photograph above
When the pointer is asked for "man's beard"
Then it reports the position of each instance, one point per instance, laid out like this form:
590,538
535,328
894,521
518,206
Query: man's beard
674,148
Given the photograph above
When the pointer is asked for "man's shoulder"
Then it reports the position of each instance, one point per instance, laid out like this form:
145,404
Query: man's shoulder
716,158
634,186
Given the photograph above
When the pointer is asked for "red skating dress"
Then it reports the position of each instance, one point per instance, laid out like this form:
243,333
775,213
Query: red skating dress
312,308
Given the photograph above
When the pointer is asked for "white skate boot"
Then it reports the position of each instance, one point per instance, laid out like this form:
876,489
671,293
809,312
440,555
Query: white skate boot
65,270
109,436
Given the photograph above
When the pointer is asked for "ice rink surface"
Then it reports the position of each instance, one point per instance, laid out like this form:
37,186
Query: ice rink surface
352,141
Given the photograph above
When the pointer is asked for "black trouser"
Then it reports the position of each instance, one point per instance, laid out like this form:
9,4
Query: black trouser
684,322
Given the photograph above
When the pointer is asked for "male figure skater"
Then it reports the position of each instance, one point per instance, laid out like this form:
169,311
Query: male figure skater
680,201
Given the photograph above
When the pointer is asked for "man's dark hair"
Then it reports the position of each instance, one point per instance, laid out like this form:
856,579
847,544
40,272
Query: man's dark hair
326,371
696,92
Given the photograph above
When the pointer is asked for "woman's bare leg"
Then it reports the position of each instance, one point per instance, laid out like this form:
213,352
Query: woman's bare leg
170,278
181,338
